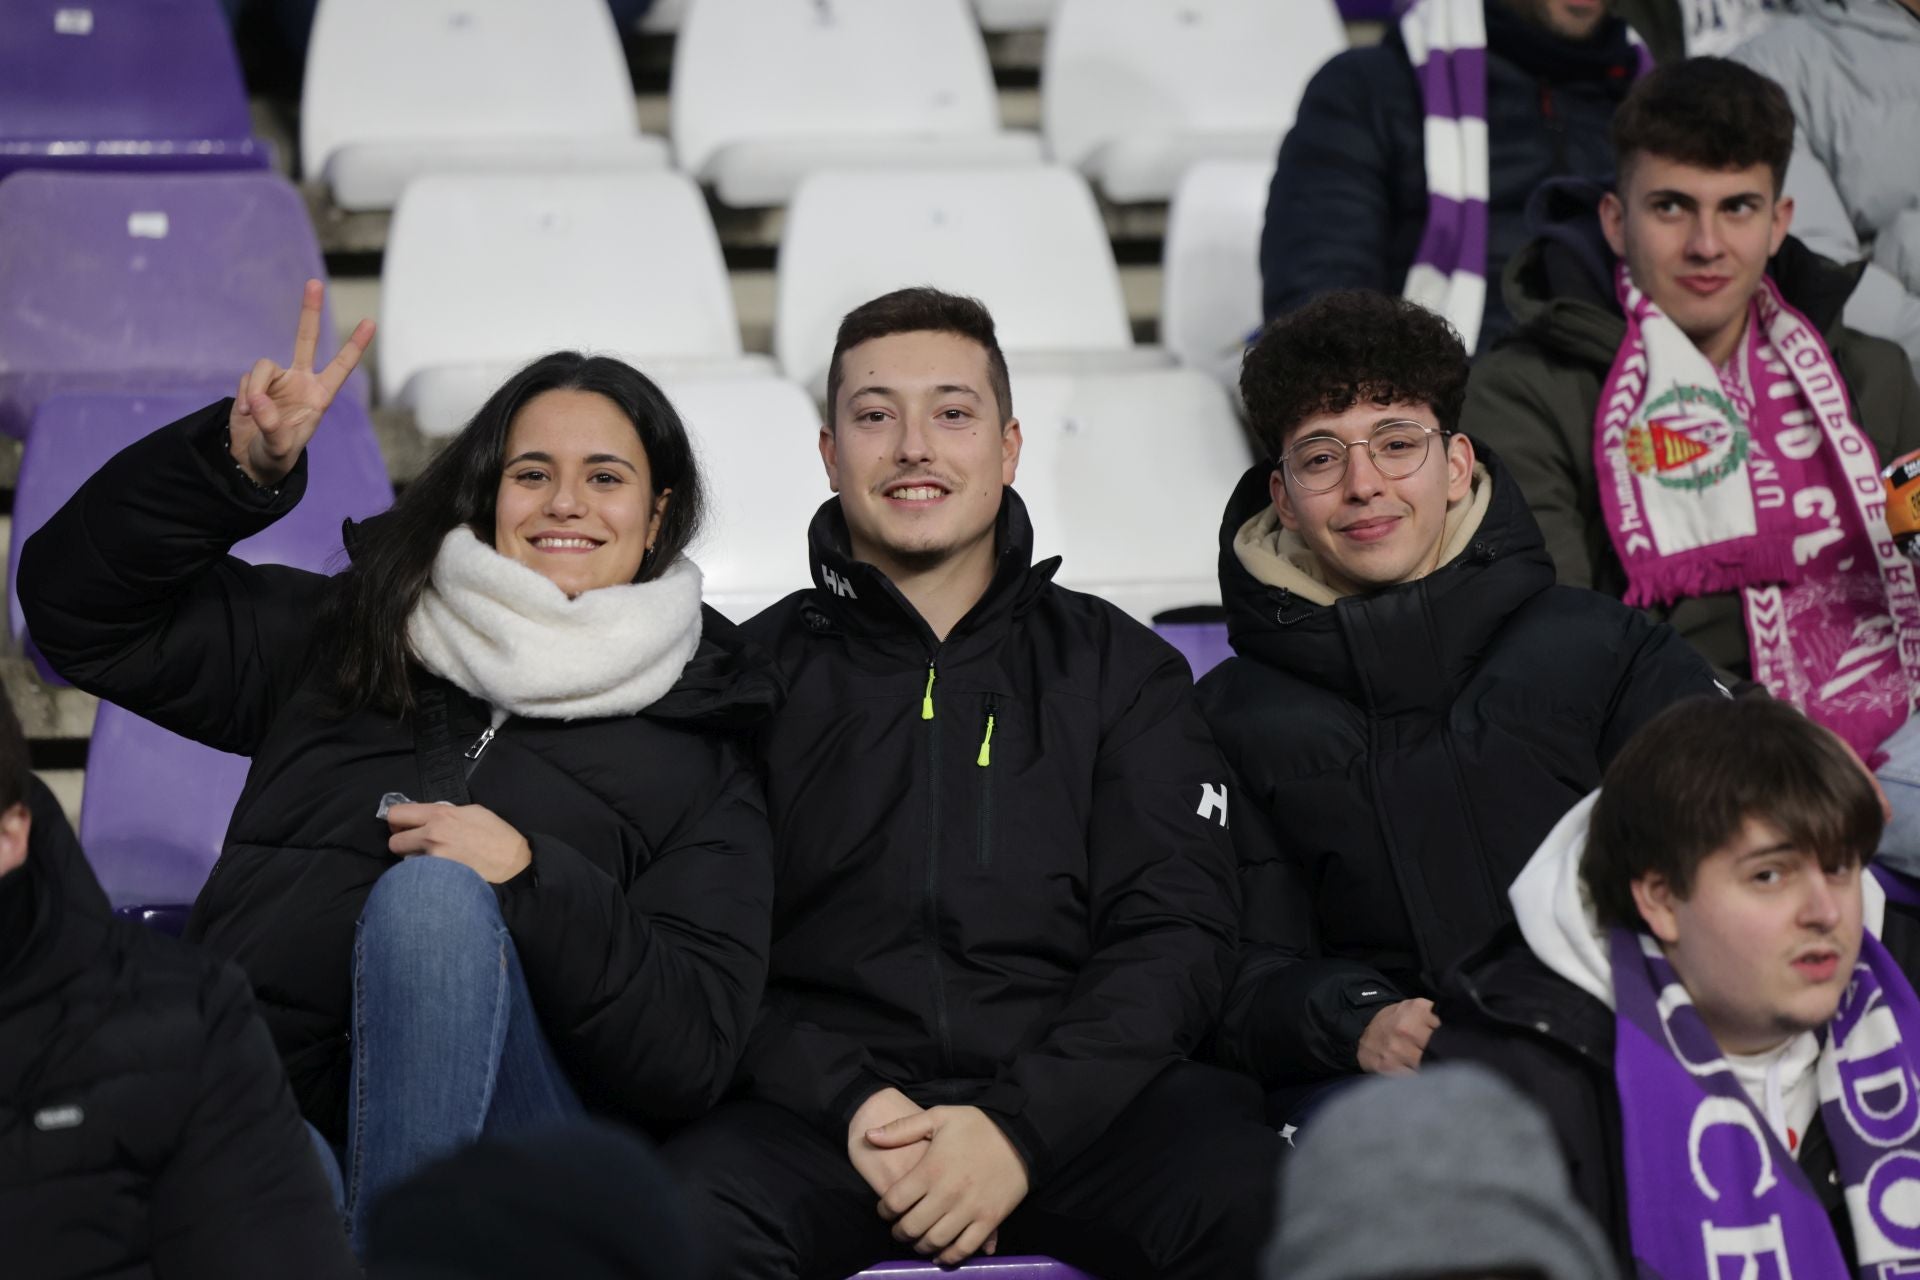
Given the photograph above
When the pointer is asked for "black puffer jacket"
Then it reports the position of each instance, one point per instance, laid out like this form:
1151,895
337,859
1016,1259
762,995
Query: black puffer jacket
145,1125
1400,756
1003,875
1349,198
642,923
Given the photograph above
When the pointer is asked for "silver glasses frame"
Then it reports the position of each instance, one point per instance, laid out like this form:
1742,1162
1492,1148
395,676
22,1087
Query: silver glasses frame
1346,457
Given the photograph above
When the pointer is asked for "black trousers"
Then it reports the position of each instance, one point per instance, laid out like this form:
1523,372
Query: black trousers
1181,1184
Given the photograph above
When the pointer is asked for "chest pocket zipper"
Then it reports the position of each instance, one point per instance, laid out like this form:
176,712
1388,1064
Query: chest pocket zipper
983,848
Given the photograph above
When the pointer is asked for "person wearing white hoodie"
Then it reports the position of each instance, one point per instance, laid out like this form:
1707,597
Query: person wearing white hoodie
1705,988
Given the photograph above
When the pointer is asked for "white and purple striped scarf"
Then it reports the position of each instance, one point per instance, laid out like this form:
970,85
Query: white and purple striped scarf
1447,41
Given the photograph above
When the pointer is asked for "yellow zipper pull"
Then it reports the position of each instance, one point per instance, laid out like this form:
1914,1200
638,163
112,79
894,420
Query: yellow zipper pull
926,699
986,744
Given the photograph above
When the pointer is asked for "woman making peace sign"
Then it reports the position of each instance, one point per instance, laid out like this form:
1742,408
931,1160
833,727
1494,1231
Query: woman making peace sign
583,920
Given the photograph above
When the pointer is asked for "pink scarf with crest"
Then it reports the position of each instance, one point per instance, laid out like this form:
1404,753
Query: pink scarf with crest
1756,478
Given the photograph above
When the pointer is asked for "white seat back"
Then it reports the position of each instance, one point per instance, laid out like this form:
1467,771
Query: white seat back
1029,243
494,269
1015,15
1211,299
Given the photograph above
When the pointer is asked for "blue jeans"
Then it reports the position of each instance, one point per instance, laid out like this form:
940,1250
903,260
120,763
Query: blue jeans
446,1045
1900,779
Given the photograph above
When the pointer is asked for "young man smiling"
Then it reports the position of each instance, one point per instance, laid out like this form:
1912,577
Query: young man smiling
1696,431
1005,905
1710,998
1414,703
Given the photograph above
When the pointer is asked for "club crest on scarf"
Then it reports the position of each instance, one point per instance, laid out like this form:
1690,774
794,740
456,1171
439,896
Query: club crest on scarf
1688,438
1712,1192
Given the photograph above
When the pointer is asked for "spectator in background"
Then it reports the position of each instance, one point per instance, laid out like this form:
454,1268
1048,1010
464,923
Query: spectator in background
1414,704
1852,72
1712,1001
1365,197
500,857
1718,27
1005,902
145,1124
1695,429
1451,1176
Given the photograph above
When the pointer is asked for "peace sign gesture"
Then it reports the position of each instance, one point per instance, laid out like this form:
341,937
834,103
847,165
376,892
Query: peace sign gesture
276,410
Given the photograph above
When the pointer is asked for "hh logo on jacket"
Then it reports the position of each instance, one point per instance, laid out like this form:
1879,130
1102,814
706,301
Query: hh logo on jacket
1213,800
836,584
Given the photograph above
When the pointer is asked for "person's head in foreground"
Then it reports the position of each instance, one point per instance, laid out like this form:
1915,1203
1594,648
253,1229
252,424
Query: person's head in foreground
577,467
1735,832
1700,148
1461,1178
920,438
1358,397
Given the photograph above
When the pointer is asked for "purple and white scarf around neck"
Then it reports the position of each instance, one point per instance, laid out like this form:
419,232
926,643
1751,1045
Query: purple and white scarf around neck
1711,1191
1447,43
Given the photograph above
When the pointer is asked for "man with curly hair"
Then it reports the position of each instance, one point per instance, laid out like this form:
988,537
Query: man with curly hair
1414,703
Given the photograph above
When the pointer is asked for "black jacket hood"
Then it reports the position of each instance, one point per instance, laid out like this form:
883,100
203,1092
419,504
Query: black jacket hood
1469,598
61,892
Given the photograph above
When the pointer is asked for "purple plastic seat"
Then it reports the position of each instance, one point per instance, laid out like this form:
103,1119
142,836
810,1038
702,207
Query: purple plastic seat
74,435
121,84
987,1268
1203,644
155,809
1367,10
147,282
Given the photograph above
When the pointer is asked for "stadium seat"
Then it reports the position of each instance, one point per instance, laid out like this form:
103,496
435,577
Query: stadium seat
988,1268
147,282
663,17
121,84
1028,242
1015,15
394,91
75,434
1138,90
1203,644
154,811
757,439
1125,476
1210,302
764,94
487,271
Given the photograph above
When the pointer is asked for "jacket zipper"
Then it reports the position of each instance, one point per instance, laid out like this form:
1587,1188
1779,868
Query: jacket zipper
931,915
983,855
480,743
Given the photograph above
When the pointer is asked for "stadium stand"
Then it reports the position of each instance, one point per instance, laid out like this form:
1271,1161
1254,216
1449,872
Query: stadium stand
1211,300
1015,15
765,94
144,282
121,84
486,271
396,91
1138,90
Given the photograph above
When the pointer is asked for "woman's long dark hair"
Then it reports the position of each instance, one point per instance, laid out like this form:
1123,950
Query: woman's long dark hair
371,601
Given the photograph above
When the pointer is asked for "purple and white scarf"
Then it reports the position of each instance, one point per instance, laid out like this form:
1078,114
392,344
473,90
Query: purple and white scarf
1447,42
1712,1193
1758,479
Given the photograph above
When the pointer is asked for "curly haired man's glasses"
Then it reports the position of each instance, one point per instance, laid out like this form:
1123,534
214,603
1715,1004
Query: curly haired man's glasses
1397,449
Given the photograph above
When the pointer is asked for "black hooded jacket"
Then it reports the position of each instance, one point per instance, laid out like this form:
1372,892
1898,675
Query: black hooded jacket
1400,755
145,1125
641,924
1003,875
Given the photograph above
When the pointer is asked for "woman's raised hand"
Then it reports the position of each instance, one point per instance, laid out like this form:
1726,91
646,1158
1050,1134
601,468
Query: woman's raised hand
276,410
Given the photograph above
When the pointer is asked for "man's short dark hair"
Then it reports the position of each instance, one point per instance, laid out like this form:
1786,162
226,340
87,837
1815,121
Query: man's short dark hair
1688,782
1349,347
1711,113
921,310
16,777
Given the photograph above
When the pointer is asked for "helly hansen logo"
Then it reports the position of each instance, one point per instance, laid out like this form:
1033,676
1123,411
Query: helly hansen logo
837,584
1213,800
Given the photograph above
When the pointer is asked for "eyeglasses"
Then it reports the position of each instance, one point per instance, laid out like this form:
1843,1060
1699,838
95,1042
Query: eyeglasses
1397,449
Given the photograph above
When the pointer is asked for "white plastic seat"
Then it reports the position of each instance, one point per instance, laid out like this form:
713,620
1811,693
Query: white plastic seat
484,272
765,93
1136,91
664,17
1029,243
398,90
1211,300
1090,439
1015,15
757,444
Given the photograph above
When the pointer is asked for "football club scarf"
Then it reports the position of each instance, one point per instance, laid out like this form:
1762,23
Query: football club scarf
1711,1190
1758,479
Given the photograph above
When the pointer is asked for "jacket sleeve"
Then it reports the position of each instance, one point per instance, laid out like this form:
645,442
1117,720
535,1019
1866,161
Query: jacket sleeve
1330,210
1508,409
1662,669
243,1195
816,1073
1293,1014
649,990
129,591
1162,907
